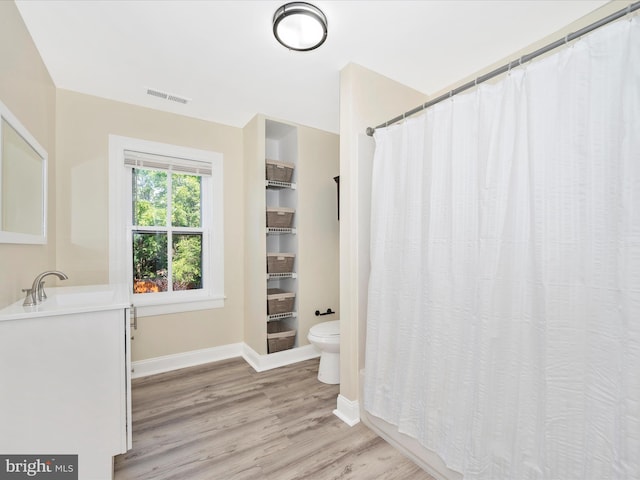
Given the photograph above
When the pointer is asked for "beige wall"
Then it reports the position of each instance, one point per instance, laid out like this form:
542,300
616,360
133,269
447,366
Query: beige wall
27,90
255,309
83,126
318,227
367,99
74,128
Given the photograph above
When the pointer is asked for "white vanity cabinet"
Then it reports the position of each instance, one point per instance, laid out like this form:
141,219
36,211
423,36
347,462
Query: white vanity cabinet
65,374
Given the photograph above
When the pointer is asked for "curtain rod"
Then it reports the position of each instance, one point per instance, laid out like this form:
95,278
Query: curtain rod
632,7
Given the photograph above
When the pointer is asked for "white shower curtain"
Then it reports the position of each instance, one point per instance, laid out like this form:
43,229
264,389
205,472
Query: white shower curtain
503,323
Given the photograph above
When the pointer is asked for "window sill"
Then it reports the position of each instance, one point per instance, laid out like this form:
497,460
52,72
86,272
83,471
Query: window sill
147,309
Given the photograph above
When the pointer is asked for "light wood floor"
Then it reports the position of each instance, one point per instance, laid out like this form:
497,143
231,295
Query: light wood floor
224,421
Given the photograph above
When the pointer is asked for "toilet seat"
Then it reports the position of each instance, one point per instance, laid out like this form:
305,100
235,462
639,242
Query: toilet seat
326,329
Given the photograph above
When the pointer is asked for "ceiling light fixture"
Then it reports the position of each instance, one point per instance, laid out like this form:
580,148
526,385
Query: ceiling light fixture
300,26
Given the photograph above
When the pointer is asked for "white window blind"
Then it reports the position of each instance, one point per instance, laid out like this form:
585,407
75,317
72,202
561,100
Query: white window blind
162,162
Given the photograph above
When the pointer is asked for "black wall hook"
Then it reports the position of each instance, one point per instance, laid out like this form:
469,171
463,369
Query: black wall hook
328,312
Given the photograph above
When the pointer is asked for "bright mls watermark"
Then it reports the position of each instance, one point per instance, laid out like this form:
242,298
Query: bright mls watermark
49,467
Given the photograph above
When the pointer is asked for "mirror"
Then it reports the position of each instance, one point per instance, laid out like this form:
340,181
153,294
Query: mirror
23,183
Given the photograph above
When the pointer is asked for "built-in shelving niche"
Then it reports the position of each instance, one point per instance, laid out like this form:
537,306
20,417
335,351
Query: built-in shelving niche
282,145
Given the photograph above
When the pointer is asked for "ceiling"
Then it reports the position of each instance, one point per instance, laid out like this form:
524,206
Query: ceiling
223,57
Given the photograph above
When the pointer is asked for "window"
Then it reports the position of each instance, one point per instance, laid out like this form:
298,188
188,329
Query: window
166,224
167,231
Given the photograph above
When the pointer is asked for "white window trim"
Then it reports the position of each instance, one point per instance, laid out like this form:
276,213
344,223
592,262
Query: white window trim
120,228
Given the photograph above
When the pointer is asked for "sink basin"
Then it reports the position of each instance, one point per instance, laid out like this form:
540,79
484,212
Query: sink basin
89,297
65,300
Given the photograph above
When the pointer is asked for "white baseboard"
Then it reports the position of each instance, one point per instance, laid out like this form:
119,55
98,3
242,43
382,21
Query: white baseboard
151,366
347,410
260,363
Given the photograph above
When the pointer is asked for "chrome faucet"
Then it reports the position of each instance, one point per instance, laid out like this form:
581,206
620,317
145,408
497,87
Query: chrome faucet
37,289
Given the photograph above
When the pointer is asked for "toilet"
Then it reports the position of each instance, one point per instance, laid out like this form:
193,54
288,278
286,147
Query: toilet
325,337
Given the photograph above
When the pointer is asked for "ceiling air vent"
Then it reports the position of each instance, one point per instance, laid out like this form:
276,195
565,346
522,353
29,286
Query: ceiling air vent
167,96
175,98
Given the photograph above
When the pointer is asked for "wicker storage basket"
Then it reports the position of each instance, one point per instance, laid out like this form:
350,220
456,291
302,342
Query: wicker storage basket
279,171
279,336
279,301
280,217
280,262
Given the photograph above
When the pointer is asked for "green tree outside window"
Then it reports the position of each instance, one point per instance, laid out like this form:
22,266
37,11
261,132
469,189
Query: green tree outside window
151,245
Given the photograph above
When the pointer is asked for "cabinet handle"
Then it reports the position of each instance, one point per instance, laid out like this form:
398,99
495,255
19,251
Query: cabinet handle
134,317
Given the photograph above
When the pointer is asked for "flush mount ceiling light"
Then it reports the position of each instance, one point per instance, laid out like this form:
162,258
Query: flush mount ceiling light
300,26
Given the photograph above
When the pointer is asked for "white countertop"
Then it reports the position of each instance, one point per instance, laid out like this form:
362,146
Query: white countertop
68,300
